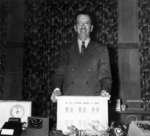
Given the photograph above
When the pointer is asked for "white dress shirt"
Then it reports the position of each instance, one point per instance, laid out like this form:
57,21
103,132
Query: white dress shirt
80,43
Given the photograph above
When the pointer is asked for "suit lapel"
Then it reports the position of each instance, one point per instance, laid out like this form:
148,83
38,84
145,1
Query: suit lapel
75,51
89,49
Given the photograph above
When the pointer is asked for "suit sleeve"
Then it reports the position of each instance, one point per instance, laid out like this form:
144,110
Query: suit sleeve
59,72
104,71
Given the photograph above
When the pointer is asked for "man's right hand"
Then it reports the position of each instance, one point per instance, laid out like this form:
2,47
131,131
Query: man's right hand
55,93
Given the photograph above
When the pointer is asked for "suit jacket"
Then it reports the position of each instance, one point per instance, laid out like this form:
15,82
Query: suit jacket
84,75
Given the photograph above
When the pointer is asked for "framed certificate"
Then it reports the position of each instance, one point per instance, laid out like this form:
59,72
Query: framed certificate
82,112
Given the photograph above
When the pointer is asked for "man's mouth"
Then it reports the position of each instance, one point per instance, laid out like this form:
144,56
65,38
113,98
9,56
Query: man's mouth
83,30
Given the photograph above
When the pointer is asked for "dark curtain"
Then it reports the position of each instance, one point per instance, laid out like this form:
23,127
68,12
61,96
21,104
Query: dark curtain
48,28
144,37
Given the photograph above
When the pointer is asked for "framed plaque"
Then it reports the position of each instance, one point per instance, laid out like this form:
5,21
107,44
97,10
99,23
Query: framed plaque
16,109
82,112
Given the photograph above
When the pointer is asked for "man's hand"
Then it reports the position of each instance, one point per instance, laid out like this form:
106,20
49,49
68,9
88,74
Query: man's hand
104,93
55,93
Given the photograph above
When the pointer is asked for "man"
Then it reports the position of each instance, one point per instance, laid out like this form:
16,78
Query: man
84,69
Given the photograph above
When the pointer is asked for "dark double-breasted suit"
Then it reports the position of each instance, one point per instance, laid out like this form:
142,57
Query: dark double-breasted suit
84,75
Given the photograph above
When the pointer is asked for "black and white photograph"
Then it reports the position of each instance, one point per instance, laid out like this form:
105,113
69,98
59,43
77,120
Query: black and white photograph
74,68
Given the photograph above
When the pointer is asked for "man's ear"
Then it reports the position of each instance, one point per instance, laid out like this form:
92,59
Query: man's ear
91,29
75,28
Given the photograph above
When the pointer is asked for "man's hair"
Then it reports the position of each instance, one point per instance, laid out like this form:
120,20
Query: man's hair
83,12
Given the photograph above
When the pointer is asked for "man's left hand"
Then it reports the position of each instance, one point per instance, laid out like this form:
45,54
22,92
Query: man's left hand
104,93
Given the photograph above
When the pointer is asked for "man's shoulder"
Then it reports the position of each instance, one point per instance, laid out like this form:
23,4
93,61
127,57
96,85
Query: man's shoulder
99,45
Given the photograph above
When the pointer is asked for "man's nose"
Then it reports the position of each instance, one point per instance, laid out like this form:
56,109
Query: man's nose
83,26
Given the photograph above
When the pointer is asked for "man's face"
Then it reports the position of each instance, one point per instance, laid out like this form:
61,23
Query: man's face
83,27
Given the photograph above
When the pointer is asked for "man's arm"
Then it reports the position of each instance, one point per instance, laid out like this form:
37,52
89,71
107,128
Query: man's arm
59,75
59,72
105,71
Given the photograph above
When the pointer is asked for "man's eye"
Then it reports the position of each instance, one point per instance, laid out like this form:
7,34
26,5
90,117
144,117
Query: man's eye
84,24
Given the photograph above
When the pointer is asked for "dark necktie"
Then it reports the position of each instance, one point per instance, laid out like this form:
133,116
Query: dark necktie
83,48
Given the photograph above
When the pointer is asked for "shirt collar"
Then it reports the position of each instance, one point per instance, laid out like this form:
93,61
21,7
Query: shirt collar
86,42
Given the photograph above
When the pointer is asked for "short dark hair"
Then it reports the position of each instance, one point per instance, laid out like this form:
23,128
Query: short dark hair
83,12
